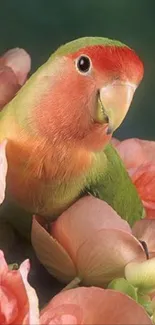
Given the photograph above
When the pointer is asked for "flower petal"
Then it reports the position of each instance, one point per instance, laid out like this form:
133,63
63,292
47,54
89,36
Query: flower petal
87,213
19,61
150,213
135,152
69,314
3,265
120,309
19,301
141,274
132,153
32,316
8,85
115,142
51,254
104,256
97,306
144,230
8,306
144,180
3,170
148,148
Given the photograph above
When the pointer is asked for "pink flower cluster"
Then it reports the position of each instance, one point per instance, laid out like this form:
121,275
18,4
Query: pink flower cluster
19,303
139,159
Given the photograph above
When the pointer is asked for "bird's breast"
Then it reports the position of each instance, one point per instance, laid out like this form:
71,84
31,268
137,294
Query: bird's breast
43,184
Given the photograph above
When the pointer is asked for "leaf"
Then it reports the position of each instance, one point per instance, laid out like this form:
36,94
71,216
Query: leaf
124,286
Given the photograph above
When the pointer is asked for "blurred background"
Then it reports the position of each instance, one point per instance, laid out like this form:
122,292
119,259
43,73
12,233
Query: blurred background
40,26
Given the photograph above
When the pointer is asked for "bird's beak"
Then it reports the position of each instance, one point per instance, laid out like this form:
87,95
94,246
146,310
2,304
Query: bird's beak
113,103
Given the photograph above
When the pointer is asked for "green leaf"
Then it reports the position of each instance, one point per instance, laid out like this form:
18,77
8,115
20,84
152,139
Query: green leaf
124,286
146,302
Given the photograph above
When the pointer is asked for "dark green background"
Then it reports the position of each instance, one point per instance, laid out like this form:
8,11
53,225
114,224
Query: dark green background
40,26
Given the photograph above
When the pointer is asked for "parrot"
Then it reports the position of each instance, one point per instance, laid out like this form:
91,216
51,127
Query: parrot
59,126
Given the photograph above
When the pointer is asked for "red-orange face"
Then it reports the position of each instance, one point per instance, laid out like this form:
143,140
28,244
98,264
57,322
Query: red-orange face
109,63
91,94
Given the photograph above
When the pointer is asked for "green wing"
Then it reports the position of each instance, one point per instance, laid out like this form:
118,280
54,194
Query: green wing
109,181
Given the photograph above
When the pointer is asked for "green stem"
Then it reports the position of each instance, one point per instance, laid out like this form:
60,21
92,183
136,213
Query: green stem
13,266
73,284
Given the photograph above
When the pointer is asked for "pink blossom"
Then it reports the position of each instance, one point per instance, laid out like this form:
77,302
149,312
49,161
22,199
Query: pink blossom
139,159
93,306
18,300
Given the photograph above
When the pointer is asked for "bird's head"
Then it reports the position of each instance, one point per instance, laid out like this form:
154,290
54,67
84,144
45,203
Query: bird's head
93,81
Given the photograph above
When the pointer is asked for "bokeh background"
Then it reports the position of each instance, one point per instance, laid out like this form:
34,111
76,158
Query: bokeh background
40,26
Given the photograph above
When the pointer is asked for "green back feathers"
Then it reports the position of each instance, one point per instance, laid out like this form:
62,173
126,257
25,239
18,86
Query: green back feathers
83,42
109,181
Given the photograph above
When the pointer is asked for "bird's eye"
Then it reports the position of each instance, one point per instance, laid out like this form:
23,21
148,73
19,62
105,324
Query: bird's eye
83,64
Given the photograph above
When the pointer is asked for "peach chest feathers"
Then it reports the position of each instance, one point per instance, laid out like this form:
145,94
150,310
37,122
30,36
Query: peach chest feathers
47,163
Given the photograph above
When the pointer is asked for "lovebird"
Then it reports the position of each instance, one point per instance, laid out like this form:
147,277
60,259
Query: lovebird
59,126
